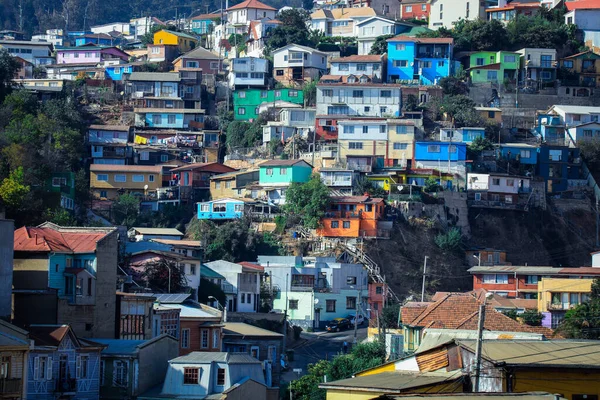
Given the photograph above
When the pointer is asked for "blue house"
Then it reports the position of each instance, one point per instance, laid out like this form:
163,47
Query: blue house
60,365
525,153
557,165
99,39
204,23
120,72
440,151
222,209
583,132
425,60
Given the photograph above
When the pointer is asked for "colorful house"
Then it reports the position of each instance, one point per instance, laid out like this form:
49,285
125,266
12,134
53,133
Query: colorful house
556,296
204,23
232,184
63,183
246,103
199,58
415,9
353,217
425,60
276,176
14,347
222,209
557,165
522,152
120,72
494,66
193,180
89,54
60,365
464,135
62,275
99,39
586,67
108,181
183,41
445,156
490,114
295,64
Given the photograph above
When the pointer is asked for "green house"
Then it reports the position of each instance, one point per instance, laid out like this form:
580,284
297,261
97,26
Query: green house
276,176
494,66
247,102
62,185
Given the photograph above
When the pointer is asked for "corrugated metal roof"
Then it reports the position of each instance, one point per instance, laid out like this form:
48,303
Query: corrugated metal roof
158,231
118,346
155,76
282,163
542,270
125,168
46,238
394,382
240,328
200,357
556,353
190,312
486,396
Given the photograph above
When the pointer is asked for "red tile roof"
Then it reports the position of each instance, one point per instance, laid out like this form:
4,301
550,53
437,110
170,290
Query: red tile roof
249,265
582,4
46,239
403,38
461,311
252,4
208,167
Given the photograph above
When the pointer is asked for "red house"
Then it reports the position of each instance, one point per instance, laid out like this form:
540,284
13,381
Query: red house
193,180
522,281
415,9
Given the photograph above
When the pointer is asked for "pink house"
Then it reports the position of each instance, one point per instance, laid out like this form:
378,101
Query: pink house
89,54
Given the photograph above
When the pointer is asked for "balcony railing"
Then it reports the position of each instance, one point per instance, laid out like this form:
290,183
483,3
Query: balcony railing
10,386
337,182
559,306
343,214
360,167
228,288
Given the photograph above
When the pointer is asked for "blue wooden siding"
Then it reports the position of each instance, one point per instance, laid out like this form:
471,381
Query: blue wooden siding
229,213
515,152
57,263
424,151
164,120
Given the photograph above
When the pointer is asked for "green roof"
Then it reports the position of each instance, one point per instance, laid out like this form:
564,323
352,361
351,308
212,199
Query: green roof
206,272
180,34
416,30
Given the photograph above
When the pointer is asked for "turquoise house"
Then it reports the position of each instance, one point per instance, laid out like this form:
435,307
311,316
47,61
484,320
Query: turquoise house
204,23
494,66
120,72
424,59
221,210
276,176
247,102
63,184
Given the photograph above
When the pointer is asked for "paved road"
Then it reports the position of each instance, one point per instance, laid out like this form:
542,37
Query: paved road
320,346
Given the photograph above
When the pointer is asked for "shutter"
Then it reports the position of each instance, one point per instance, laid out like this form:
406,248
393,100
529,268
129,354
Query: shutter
49,369
114,380
78,367
36,368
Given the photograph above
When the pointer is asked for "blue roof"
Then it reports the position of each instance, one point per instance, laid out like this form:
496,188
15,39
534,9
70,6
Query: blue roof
207,272
118,346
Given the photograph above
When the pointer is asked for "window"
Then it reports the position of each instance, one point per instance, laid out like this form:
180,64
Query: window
365,129
241,111
355,145
378,290
145,155
221,377
361,67
171,119
327,92
58,182
204,339
293,93
204,207
242,95
81,367
282,171
278,93
425,64
400,63
357,93
555,155
452,148
151,177
510,182
546,61
495,181
346,225
330,305
441,63
479,61
400,146
120,373
293,304
344,67
510,58
103,193
434,148
532,279
574,298
367,109
335,224
102,177
254,351
156,119
495,278
408,8
492,75
120,178
42,368
269,171
400,46
191,376
349,129
137,178
351,280
568,64
238,208
243,298
279,72
350,303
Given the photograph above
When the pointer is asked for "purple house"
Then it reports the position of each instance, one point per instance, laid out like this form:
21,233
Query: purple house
89,54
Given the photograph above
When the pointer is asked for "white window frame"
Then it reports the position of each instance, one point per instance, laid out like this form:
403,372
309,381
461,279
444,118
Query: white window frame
185,338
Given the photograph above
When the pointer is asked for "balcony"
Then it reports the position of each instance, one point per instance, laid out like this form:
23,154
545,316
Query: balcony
343,214
228,288
10,387
559,306
360,167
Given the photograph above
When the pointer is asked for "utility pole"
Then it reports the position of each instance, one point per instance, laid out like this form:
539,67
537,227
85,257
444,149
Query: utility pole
424,275
479,344
356,316
285,316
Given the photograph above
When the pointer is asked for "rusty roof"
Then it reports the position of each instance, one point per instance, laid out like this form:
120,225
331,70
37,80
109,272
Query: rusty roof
283,163
356,199
58,239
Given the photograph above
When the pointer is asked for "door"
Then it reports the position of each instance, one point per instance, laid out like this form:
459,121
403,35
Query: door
317,321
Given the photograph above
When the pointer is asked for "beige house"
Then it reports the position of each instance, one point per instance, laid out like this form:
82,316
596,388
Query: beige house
232,184
340,21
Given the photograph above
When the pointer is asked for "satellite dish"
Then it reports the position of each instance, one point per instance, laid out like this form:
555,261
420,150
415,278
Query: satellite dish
145,187
316,301
400,188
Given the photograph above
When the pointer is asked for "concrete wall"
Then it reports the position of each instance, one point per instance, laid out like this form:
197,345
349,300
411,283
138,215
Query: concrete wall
6,267
106,277
153,362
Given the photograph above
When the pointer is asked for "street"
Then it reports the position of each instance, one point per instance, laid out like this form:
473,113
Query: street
320,346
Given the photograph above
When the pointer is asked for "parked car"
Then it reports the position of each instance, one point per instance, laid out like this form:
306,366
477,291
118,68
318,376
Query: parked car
337,325
352,317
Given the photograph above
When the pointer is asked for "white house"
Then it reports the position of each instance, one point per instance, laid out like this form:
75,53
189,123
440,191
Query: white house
539,64
54,36
575,115
123,28
143,25
499,188
240,15
369,29
446,13
340,21
37,53
245,281
248,72
370,65
367,100
293,63
258,33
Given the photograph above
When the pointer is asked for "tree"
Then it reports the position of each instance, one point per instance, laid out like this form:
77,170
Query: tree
380,45
310,93
236,134
583,321
411,103
590,151
532,317
293,29
8,68
479,35
156,275
308,201
12,190
125,210
453,86
477,146
431,185
362,185
390,317
207,289
449,241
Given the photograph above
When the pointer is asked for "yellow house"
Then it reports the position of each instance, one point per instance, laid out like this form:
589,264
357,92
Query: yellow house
107,181
490,114
557,295
183,41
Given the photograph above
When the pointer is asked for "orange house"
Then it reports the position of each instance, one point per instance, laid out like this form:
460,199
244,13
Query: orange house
352,217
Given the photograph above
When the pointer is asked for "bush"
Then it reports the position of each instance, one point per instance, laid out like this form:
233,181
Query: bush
532,317
449,241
